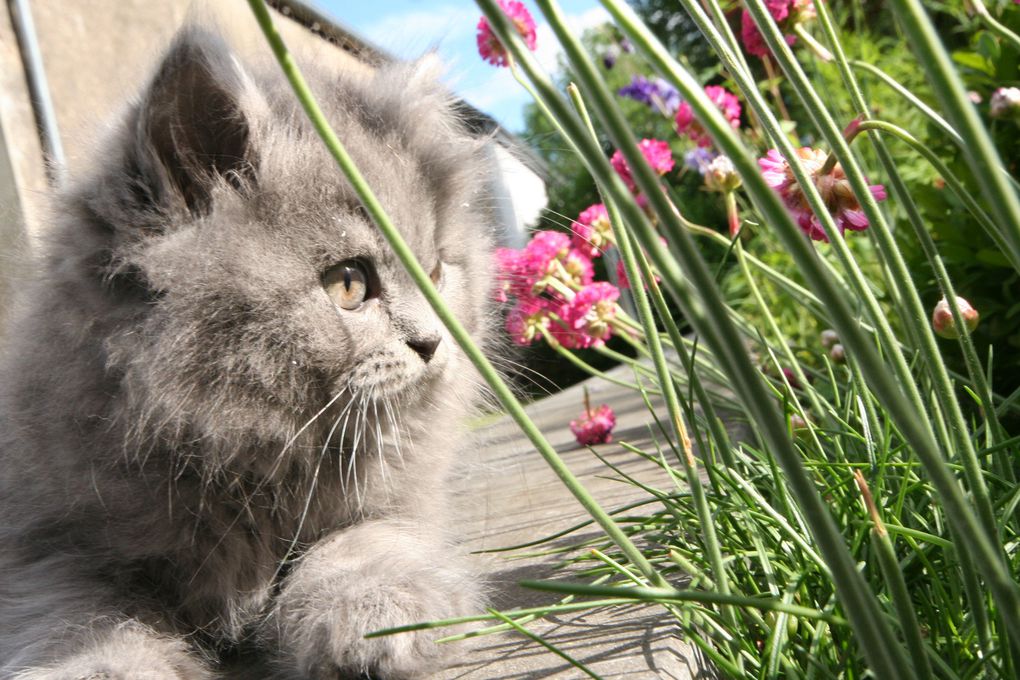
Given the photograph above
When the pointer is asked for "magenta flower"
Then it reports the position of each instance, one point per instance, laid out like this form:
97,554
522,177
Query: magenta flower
656,152
592,232
587,317
835,190
491,48
594,426
727,102
621,272
787,14
547,261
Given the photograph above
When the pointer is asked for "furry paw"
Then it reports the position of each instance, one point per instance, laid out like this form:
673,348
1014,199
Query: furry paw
128,652
323,624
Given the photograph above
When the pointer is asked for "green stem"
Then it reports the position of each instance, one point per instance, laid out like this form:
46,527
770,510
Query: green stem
893,576
818,48
952,182
697,293
978,148
431,294
910,419
993,24
983,522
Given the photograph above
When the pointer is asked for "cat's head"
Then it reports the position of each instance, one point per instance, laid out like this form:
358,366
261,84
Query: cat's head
245,286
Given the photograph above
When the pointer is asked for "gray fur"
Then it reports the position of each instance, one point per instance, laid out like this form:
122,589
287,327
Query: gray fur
199,452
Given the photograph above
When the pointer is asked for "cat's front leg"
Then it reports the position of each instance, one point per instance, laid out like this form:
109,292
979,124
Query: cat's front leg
125,651
375,575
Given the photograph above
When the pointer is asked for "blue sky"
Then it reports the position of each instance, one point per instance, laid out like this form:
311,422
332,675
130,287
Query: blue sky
408,28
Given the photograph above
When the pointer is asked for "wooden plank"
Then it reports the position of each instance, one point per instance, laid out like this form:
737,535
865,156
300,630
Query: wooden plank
509,496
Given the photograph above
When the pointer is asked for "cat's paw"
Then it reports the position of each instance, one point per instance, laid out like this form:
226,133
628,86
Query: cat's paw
127,652
323,628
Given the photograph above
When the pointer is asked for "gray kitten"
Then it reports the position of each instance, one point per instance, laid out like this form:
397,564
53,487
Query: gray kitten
227,413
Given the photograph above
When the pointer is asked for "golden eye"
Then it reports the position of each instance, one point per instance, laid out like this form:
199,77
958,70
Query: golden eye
437,273
346,284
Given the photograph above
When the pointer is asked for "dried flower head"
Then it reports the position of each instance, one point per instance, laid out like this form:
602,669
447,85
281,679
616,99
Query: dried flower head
833,185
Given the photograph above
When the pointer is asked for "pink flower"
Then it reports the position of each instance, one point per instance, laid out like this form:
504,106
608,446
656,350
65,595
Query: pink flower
727,102
656,152
794,10
592,231
942,318
548,256
587,318
1004,103
508,273
621,272
833,186
594,426
526,320
489,46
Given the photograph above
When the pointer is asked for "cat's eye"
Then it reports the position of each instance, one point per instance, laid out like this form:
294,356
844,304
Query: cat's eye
437,273
347,284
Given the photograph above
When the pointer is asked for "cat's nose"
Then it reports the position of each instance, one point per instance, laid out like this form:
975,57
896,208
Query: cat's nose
425,347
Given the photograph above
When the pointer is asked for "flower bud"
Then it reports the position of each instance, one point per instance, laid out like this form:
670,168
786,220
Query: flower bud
721,176
942,318
837,354
829,338
1005,103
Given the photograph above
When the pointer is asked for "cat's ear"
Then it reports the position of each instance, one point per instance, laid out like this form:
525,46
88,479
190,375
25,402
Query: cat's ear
191,127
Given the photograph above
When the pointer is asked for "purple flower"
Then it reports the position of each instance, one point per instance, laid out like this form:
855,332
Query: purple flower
699,158
655,93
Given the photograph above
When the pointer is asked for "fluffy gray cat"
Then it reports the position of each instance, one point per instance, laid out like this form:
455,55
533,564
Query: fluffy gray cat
227,413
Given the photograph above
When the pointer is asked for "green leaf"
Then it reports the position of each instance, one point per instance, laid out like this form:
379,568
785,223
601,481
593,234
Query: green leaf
974,61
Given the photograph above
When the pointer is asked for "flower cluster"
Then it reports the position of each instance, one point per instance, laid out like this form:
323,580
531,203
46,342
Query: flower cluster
727,102
594,426
659,157
655,93
787,13
591,231
551,281
491,48
832,185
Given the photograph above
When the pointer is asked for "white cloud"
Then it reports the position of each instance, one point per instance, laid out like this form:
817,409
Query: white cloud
410,33
548,49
